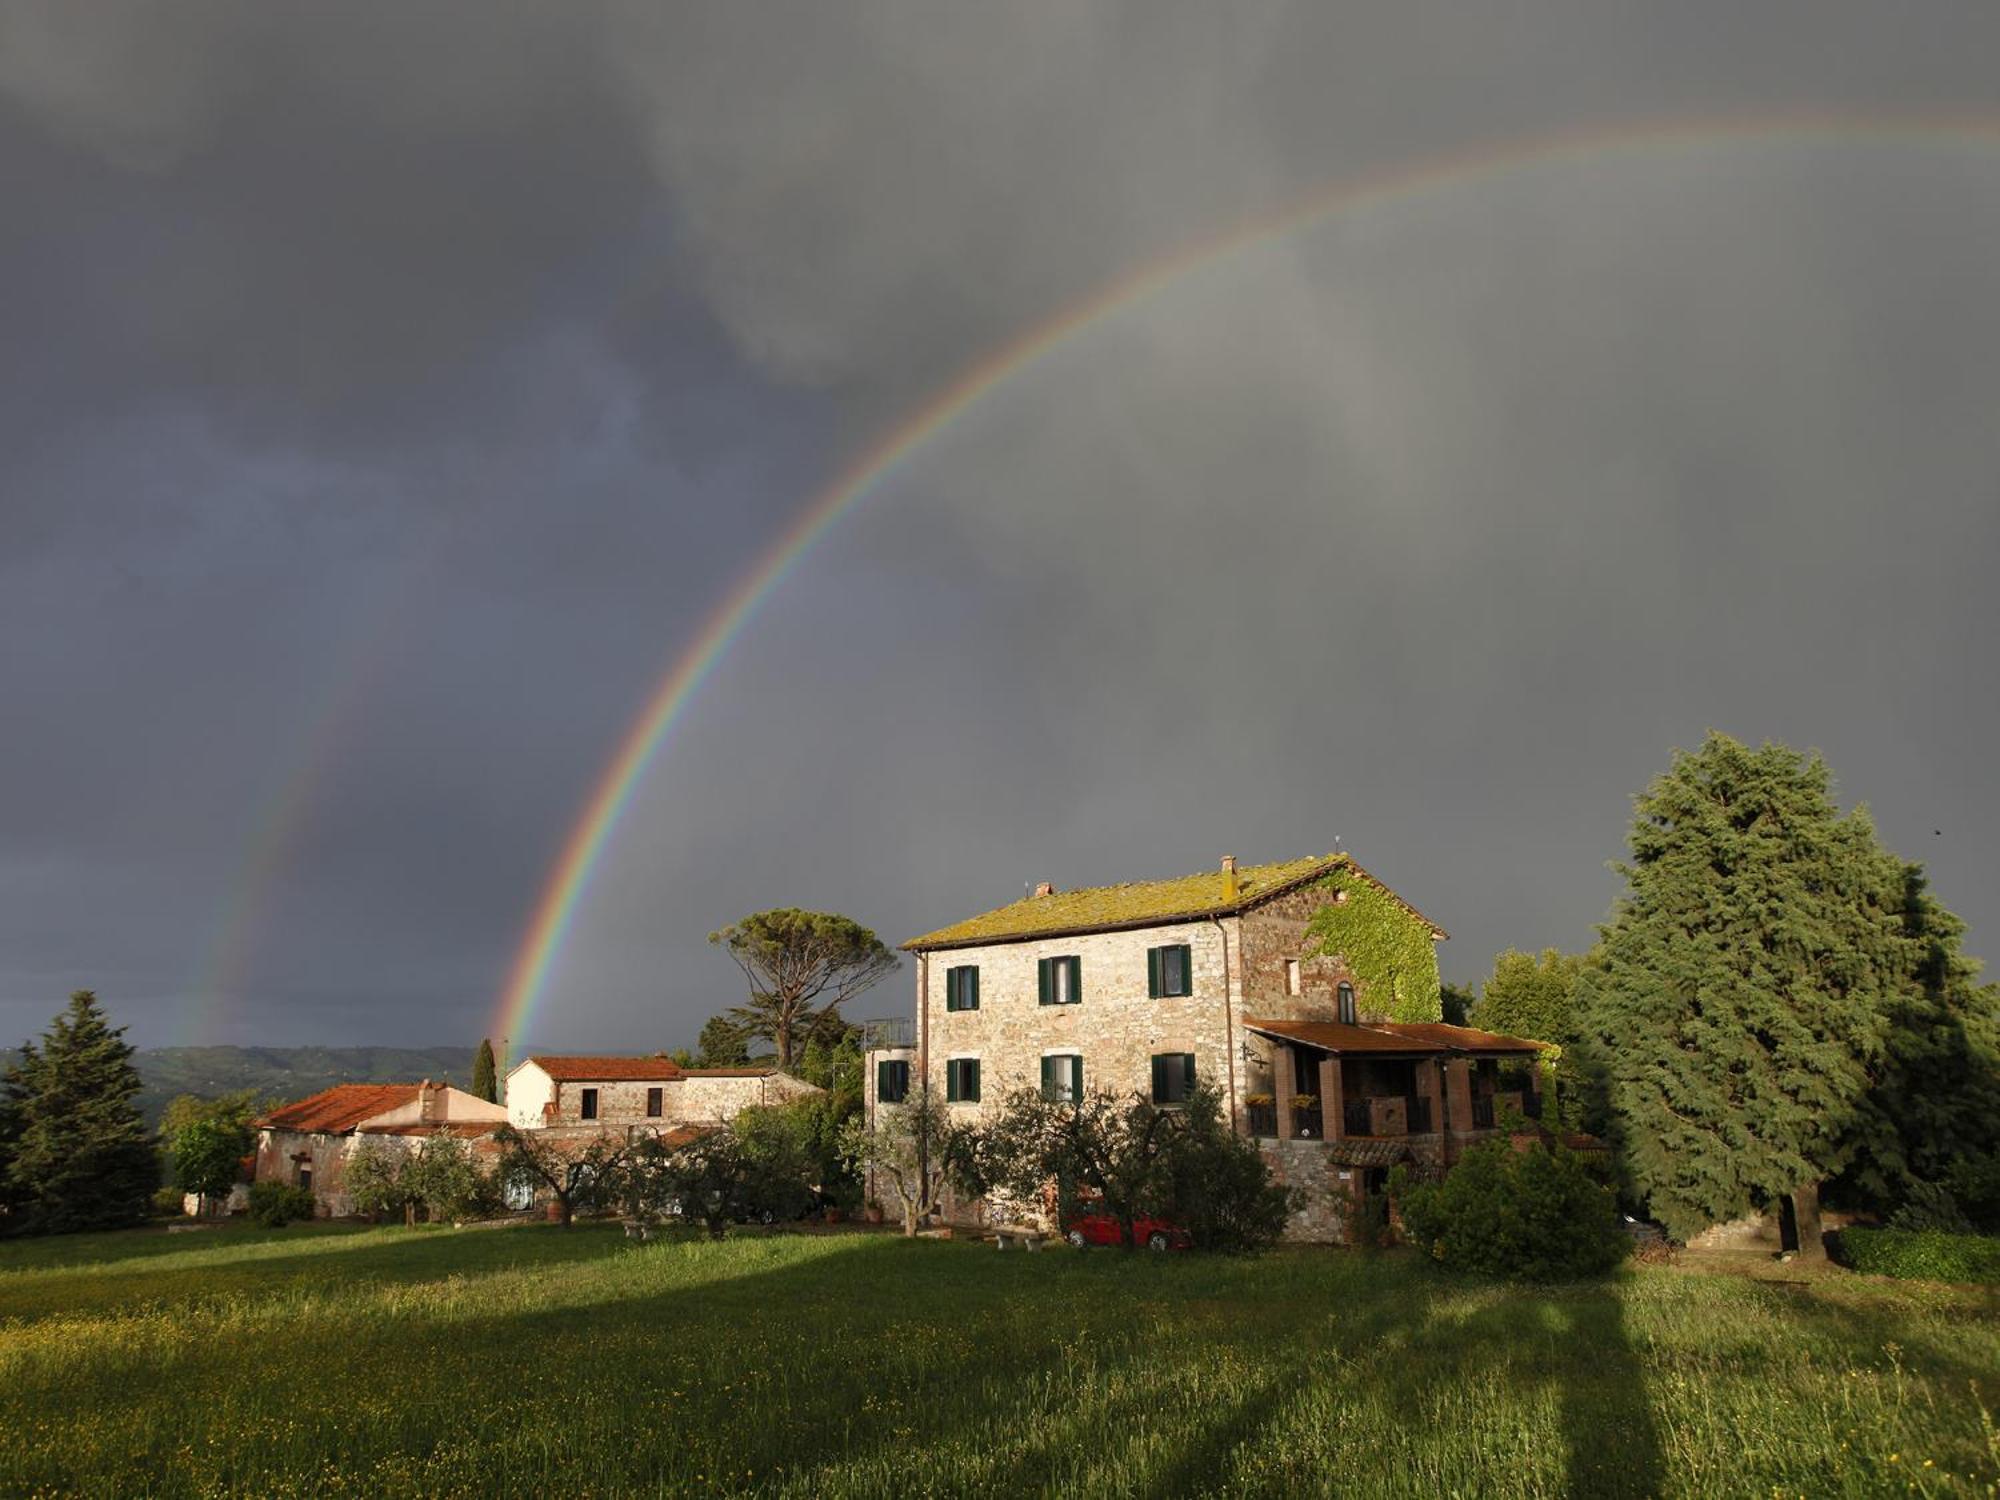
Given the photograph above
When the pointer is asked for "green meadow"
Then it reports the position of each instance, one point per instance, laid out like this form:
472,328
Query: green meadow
530,1361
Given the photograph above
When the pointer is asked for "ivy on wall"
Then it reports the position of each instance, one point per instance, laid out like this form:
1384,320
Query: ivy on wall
1390,953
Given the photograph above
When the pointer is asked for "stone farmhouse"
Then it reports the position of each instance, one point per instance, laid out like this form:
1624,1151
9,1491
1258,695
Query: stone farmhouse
596,1094
1340,1066
308,1144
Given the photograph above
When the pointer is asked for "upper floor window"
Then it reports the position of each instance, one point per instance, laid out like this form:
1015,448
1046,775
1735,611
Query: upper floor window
655,1103
961,1080
1346,993
1062,1079
1173,1077
1292,980
1169,971
961,987
587,1106
892,1080
1061,980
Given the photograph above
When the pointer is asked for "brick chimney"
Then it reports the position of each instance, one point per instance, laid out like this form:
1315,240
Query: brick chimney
1231,888
1045,889
427,1102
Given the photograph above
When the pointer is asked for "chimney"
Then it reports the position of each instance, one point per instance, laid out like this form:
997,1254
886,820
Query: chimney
427,1102
1231,889
1045,889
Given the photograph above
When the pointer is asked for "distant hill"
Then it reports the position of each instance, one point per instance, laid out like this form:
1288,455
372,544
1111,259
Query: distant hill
288,1072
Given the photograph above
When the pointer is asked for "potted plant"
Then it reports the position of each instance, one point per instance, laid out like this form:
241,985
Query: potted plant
872,1212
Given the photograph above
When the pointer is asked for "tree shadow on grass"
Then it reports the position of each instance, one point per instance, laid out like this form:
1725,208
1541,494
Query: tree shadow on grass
1611,1440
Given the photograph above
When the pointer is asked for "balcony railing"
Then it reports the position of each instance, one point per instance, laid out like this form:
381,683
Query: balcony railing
1354,1117
1263,1121
1306,1123
1482,1113
881,1036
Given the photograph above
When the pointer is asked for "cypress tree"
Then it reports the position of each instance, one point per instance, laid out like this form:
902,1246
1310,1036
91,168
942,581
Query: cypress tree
14,1085
484,1082
83,1158
1740,996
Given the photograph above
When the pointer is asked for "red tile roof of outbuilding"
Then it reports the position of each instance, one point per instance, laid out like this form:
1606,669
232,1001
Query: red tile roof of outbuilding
339,1109
607,1069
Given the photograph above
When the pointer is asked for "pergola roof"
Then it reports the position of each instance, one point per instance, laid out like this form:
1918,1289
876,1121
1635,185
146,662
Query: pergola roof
1394,1038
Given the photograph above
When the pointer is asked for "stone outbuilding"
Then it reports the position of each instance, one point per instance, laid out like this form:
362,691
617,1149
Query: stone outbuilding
551,1091
308,1144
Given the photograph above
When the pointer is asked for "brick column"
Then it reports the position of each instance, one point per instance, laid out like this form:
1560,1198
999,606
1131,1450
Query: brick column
1332,1110
1284,1086
1428,1069
1458,1093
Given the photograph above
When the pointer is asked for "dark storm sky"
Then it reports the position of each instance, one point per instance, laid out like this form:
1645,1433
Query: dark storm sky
388,393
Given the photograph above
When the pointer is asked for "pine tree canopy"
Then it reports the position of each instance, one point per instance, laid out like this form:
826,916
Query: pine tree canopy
1745,981
82,1158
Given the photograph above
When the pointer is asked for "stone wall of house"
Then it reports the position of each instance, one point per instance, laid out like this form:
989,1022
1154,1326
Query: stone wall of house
281,1154
1116,1027
683,1101
1275,933
1326,1191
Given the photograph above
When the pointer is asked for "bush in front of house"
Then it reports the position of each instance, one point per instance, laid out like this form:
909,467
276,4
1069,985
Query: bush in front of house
276,1204
168,1203
1536,1214
1920,1254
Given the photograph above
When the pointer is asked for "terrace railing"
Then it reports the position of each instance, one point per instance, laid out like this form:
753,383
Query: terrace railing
1263,1121
1482,1112
895,1031
1306,1123
1354,1117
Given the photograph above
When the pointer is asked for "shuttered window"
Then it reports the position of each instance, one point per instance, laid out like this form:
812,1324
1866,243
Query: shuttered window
1169,971
655,1103
1173,1077
892,1080
1060,980
1347,1002
1062,1079
961,1080
961,987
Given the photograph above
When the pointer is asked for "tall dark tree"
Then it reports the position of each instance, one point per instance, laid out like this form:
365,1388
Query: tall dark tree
1738,1005
15,1082
1456,1002
802,967
722,1043
1932,1113
485,1080
83,1159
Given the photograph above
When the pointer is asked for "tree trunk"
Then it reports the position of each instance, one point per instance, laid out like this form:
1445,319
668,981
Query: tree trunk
1805,1214
567,1213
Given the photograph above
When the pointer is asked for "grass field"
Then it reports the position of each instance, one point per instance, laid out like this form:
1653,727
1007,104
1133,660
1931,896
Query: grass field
537,1361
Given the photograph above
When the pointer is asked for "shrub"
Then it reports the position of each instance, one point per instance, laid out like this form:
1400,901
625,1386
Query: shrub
275,1204
1920,1254
1536,1214
168,1203
1930,1205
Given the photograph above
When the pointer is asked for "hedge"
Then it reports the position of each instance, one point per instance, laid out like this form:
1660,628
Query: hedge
1920,1254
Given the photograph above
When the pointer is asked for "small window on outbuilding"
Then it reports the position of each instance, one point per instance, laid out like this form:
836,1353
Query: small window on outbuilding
587,1106
656,1100
1291,976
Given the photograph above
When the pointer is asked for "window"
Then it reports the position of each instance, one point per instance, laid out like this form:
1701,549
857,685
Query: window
306,1175
1346,1002
656,1100
1062,1079
961,988
1061,980
1168,971
961,1080
892,1080
1173,1077
1291,976
588,1108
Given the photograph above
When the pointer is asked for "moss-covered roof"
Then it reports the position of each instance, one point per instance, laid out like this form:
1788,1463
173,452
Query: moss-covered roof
1143,903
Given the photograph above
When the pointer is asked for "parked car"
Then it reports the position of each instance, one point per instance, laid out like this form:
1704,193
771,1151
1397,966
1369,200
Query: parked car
1103,1229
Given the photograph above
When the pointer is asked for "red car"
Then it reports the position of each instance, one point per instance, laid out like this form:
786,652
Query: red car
1102,1229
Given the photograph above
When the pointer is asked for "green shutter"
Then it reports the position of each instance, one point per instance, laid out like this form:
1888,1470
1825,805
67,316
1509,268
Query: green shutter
951,1083
972,1080
973,974
951,989
1042,978
1076,981
1187,1074
1048,1078
1187,969
1159,1080
1076,1079
1153,972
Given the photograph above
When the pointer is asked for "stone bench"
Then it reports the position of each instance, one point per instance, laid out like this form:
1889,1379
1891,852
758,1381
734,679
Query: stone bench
1009,1235
638,1229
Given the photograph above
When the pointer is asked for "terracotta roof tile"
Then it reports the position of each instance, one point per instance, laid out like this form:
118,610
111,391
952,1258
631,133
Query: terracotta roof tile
607,1069
339,1109
729,1072
1392,1036
1145,903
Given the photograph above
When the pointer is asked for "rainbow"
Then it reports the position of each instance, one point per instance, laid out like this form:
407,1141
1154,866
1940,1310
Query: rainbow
570,878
